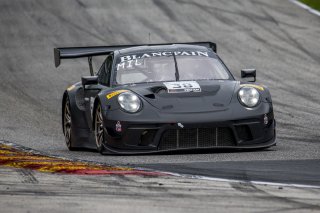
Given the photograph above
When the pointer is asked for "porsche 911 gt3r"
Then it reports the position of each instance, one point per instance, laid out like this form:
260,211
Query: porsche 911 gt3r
164,97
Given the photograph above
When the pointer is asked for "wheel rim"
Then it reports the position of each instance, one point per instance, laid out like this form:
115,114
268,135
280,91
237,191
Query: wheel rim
99,133
67,123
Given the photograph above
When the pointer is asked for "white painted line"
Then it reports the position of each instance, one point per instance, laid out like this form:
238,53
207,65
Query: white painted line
306,7
258,182
233,180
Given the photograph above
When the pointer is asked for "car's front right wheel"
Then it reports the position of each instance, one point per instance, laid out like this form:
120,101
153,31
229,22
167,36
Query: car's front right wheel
99,129
67,124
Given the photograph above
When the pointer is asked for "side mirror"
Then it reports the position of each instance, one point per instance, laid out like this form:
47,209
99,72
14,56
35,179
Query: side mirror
89,80
248,73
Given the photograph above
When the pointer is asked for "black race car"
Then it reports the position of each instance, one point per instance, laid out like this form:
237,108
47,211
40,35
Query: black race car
163,97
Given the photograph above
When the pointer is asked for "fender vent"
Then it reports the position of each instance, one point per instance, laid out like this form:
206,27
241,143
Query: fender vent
151,96
158,89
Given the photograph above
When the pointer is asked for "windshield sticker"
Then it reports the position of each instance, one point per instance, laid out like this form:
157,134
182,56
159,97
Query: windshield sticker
182,86
130,64
166,53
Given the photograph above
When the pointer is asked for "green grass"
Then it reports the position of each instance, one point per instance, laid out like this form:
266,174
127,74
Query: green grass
315,4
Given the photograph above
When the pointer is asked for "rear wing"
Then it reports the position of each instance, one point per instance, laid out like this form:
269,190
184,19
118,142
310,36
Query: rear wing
79,52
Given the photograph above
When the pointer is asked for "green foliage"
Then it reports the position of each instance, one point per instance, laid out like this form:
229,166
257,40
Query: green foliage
315,4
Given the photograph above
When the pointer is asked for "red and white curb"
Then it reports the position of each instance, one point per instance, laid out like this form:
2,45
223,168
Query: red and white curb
13,155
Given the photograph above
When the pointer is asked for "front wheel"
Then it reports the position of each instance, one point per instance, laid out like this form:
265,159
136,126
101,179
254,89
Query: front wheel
67,124
99,129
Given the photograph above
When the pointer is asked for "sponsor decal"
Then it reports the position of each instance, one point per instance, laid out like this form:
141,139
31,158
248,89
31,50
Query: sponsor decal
129,62
182,86
19,157
71,87
253,85
112,94
118,127
166,53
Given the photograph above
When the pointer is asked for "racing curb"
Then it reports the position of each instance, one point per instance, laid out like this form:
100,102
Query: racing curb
13,155
17,156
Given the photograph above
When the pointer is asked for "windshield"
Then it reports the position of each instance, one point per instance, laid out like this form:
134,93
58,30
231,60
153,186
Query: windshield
161,66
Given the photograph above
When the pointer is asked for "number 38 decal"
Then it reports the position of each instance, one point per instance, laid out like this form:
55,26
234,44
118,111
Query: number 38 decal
182,86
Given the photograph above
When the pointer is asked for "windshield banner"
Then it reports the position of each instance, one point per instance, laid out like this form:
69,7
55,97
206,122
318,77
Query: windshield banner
166,53
182,86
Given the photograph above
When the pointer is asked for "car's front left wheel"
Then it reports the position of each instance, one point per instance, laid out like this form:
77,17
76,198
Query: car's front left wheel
99,129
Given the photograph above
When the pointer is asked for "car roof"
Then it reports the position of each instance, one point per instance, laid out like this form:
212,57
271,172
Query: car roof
172,47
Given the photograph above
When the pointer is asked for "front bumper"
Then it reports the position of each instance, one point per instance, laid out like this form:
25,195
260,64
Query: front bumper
149,137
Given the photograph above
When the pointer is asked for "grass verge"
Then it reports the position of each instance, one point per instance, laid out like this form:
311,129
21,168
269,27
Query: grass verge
315,4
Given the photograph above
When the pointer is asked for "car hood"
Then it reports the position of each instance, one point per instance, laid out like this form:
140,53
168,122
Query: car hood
215,95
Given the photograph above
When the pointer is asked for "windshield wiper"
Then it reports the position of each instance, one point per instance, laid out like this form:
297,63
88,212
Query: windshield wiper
176,66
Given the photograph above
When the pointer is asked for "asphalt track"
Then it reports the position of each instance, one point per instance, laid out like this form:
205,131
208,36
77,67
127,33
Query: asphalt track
277,38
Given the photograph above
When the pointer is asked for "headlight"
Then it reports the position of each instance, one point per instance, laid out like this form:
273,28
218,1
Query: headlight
129,101
249,96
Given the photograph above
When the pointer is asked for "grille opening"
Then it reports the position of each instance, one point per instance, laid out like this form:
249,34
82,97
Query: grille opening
169,140
111,132
147,137
244,133
197,138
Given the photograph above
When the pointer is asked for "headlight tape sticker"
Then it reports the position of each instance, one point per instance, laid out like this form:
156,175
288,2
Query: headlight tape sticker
114,93
261,88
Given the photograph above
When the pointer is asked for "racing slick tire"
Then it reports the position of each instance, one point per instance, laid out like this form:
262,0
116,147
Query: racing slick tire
99,131
67,124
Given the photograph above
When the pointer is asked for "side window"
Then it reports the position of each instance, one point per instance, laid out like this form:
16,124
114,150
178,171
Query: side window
104,72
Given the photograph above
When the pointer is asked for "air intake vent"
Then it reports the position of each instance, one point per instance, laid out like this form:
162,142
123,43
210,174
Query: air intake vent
197,138
158,89
244,132
151,96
